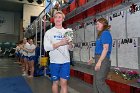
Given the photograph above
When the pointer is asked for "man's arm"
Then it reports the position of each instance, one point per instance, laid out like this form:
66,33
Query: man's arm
70,46
49,46
31,50
23,48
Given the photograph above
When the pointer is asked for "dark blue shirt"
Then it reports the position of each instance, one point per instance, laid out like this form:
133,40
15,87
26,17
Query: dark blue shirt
105,38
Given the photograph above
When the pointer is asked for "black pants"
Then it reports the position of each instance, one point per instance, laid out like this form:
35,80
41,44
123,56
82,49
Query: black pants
100,76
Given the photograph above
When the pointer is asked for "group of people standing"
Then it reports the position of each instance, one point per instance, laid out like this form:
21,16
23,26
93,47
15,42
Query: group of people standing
25,52
59,46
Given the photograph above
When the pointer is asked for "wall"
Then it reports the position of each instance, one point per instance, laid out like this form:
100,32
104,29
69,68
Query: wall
28,11
17,23
21,34
10,28
125,32
6,22
8,38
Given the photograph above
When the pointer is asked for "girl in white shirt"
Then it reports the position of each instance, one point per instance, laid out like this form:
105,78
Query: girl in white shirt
31,56
17,49
24,47
21,57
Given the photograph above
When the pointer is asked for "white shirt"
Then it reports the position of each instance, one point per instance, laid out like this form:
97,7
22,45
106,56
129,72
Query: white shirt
31,47
21,51
17,49
25,53
61,54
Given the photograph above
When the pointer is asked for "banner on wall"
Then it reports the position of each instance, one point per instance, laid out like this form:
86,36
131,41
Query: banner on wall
128,53
6,22
52,3
48,5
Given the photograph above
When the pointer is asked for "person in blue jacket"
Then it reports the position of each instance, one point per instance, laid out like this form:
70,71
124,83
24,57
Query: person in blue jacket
102,56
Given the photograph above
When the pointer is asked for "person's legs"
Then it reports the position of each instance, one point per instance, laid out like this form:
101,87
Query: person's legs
95,89
23,64
64,76
16,55
19,58
54,70
29,66
100,85
55,86
26,65
32,67
64,85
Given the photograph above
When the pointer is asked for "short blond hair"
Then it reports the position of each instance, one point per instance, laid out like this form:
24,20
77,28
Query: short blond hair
59,12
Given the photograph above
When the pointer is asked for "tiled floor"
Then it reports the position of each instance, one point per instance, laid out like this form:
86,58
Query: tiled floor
9,68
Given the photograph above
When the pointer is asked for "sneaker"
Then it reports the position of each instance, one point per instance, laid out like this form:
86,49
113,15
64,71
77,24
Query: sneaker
30,76
24,74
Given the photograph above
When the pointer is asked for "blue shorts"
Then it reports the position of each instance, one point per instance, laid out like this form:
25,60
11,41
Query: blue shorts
17,54
31,58
24,57
60,71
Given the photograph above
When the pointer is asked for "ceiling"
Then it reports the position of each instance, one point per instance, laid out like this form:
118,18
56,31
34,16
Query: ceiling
14,5
6,5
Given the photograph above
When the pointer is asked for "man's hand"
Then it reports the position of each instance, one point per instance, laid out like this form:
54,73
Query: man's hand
21,46
70,46
70,43
64,41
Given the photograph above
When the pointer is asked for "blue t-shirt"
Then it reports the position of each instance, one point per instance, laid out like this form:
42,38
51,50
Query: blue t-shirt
105,38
